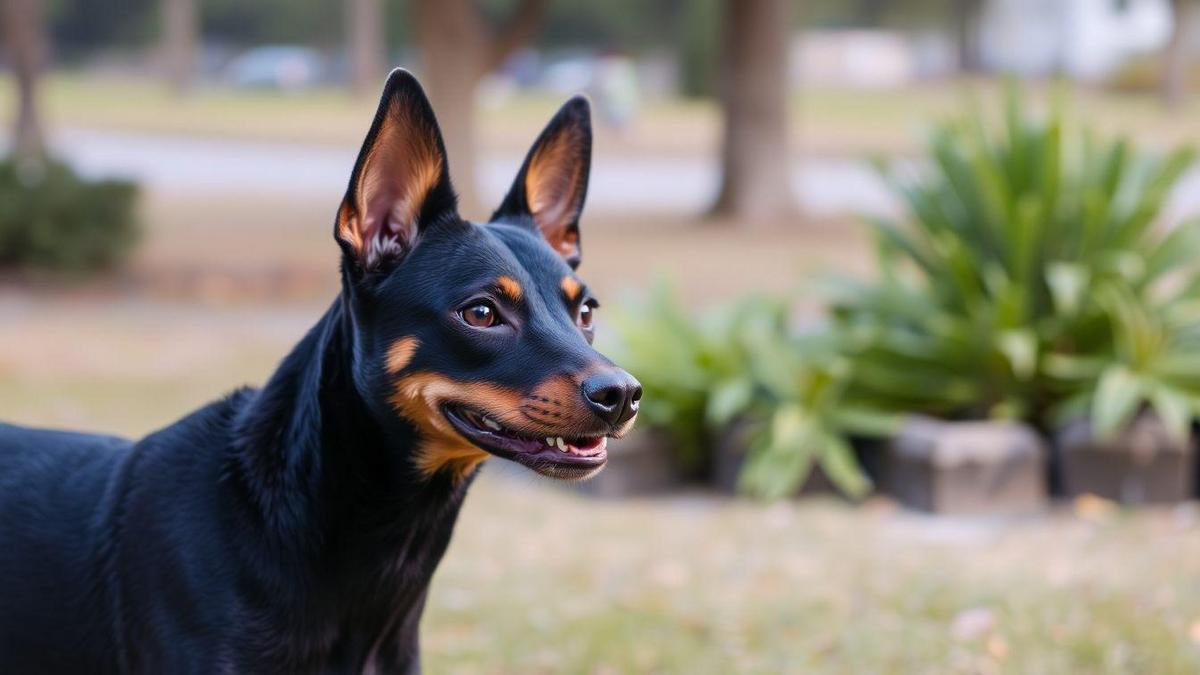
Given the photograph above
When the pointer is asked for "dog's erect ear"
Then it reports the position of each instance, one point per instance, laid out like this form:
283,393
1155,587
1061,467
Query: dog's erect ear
552,183
400,183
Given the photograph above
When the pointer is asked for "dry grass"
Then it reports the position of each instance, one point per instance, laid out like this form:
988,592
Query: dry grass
539,580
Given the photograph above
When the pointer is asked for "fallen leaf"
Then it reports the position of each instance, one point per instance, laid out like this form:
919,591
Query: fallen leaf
1093,508
997,647
972,623
669,573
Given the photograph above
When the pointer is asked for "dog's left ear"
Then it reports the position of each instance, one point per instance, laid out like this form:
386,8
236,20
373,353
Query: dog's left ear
400,184
552,183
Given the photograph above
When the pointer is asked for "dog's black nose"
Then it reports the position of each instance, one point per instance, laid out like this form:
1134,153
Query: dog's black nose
613,395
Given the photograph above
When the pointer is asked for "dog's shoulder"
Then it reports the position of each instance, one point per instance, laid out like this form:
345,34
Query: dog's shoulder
208,426
29,455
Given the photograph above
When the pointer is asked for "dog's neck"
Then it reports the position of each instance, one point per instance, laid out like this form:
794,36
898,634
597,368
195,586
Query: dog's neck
328,487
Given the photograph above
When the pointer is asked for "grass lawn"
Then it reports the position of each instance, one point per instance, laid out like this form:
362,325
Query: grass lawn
827,121
540,580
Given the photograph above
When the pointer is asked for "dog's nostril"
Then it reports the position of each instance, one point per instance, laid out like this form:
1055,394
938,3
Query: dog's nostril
608,397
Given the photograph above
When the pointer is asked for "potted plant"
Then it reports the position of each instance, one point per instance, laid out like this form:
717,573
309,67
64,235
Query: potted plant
993,287
741,399
1127,434
794,435
678,359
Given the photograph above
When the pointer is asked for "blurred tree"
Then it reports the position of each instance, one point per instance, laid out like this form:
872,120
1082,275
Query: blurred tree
755,165
365,40
625,25
25,36
180,41
698,47
458,47
78,27
870,12
968,17
311,22
960,19
1175,59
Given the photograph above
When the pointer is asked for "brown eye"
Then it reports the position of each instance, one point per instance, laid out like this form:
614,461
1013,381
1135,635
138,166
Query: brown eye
586,314
481,315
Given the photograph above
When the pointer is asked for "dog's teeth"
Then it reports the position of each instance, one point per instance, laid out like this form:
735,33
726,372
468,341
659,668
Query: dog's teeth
561,445
491,424
549,440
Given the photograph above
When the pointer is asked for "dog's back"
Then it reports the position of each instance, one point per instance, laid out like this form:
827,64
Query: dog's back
54,498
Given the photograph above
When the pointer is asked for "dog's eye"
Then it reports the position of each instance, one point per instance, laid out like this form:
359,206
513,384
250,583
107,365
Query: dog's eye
587,313
480,315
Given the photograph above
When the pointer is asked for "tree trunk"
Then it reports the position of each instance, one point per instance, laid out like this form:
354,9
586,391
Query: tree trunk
24,33
755,163
870,12
180,38
452,39
967,17
367,45
1175,75
457,50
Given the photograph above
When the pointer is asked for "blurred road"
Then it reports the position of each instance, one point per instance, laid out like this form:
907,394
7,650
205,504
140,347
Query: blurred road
618,185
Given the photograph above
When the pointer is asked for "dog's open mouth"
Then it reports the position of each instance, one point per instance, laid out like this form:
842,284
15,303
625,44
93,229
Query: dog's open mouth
556,456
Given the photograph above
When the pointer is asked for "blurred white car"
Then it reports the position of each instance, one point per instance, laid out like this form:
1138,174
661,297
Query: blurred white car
283,67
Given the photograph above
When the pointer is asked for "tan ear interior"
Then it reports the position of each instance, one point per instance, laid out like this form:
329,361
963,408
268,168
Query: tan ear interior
401,169
554,185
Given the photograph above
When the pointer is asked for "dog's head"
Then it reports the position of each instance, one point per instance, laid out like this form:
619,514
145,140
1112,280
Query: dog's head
477,337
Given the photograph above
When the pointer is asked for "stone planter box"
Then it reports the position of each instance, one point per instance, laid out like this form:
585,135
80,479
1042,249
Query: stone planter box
977,467
642,463
1142,465
729,454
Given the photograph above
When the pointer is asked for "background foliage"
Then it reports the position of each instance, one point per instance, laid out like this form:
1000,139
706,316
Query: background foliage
51,218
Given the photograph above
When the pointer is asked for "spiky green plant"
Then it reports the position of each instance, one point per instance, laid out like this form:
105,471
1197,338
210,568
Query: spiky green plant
742,363
998,284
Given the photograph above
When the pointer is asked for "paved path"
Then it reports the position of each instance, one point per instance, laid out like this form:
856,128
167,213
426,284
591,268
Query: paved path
618,185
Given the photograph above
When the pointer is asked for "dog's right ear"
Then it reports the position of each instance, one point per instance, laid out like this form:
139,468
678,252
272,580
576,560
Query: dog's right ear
552,183
400,185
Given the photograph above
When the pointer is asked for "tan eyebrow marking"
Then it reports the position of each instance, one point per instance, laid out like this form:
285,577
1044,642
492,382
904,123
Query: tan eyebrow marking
510,287
401,352
571,287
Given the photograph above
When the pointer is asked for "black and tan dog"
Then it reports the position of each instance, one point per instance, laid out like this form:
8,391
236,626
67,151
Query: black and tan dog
294,529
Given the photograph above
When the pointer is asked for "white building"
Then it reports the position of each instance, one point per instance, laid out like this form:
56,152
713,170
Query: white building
1085,39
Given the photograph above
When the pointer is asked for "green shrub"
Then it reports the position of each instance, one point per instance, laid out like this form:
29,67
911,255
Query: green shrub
691,366
1153,359
1027,279
740,363
802,415
50,218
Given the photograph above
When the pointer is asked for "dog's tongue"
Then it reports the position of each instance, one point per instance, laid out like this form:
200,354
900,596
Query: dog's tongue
588,447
